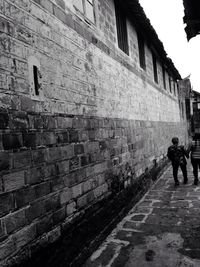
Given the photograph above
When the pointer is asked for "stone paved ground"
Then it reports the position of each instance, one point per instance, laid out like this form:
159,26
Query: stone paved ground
163,229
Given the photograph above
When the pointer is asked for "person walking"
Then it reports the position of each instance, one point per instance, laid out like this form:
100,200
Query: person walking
195,157
177,153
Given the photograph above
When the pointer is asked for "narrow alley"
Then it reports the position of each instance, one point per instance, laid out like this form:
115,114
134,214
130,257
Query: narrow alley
161,230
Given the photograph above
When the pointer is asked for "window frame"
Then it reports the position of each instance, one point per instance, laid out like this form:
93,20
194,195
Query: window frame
170,85
155,68
174,87
83,13
122,30
164,77
141,51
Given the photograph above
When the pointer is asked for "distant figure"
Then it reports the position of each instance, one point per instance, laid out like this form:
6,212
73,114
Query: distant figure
195,156
177,156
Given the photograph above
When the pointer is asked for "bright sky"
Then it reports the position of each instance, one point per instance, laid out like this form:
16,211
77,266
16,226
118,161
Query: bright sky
167,19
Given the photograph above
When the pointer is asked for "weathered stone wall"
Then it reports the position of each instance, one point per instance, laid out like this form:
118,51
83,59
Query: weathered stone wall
98,122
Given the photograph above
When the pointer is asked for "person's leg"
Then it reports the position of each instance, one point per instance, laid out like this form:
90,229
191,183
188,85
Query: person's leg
175,173
184,171
195,170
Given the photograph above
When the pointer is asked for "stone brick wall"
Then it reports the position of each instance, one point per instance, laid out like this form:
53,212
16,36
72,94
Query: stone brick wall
98,122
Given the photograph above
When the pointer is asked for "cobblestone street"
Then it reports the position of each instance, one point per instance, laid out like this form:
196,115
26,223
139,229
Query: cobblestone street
161,230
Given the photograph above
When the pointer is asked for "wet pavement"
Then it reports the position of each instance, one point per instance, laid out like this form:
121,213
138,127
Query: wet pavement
163,229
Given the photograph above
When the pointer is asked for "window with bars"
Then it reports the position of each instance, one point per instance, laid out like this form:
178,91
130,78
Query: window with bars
170,85
174,88
122,35
164,78
155,71
141,51
86,7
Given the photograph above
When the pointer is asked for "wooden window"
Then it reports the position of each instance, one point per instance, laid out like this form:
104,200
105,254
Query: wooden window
86,7
174,87
170,85
35,78
155,71
164,78
122,35
141,51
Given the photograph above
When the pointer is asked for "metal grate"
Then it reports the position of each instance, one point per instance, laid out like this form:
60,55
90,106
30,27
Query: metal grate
141,51
155,72
121,28
164,79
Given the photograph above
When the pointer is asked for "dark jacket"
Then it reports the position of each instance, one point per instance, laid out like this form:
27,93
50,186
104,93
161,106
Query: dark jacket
177,155
195,150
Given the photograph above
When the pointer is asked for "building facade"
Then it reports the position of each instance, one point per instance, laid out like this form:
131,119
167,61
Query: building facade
191,18
89,103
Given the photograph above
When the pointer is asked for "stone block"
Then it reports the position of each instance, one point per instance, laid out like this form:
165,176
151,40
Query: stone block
48,138
78,123
91,147
60,14
85,160
73,136
62,167
38,122
14,221
19,120
100,190
49,122
7,247
78,149
75,177
54,153
24,196
64,123
47,5
22,159
4,119
31,139
65,196
25,236
88,185
61,3
3,233
1,186
6,26
74,163
67,151
57,184
83,135
44,224
77,190
39,156
14,181
35,175
59,215
92,135
54,235
42,189
52,202
11,141
4,161
63,137
7,203
71,208
50,170
27,104
100,167
35,210
85,200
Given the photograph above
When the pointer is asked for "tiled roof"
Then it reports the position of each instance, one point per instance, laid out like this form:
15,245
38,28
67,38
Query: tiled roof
137,15
192,17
